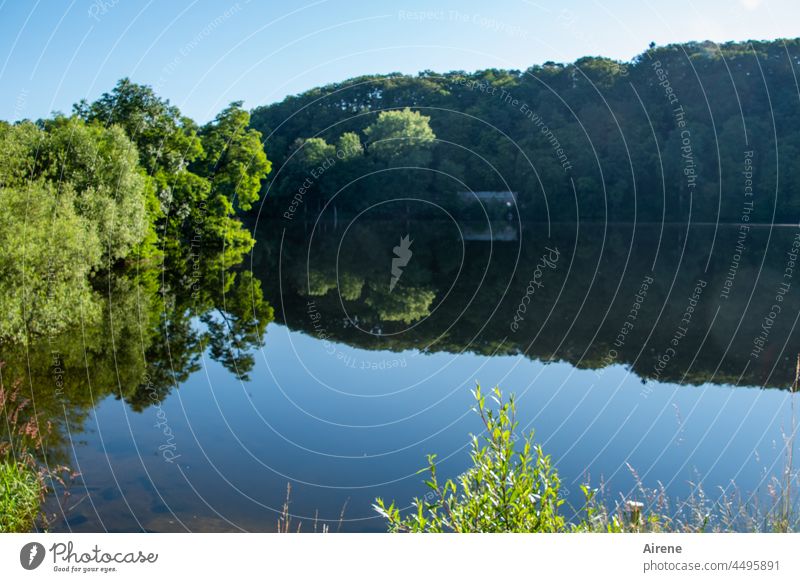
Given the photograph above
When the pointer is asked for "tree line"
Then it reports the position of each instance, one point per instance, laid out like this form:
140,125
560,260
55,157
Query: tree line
121,252
680,132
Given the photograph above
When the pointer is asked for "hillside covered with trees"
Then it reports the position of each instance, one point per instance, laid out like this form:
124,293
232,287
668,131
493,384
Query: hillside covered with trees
694,130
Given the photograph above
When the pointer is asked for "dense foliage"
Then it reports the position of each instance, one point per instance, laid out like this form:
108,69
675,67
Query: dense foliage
199,174
24,477
20,496
120,253
665,135
73,200
126,178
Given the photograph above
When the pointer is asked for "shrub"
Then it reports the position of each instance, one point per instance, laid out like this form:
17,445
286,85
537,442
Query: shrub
510,490
505,490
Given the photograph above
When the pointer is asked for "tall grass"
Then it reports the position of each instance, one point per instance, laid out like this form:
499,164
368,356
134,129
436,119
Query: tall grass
286,523
23,479
21,493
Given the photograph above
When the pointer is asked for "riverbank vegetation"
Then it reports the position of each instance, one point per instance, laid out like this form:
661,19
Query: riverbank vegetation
21,493
512,486
123,180
120,254
128,199
25,477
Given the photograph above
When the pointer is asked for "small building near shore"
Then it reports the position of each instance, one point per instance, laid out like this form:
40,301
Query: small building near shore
492,196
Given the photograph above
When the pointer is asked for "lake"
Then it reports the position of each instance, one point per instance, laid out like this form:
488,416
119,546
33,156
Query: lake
659,353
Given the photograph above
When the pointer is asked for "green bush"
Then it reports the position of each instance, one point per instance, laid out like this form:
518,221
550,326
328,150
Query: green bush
505,490
510,490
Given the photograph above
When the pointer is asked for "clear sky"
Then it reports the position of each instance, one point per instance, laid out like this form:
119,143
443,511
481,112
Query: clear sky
202,54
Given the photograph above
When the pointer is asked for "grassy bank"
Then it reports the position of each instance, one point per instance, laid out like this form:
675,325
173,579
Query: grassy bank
21,493
23,480
512,486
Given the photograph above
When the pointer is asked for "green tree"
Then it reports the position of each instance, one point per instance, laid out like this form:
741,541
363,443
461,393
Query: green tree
317,151
167,141
99,164
401,135
199,175
348,146
102,166
47,252
233,157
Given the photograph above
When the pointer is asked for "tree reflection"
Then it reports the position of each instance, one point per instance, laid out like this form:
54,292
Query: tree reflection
578,315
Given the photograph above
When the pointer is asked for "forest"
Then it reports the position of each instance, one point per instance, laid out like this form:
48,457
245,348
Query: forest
697,131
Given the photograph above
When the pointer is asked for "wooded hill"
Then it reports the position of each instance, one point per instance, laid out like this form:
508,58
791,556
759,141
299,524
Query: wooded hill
687,130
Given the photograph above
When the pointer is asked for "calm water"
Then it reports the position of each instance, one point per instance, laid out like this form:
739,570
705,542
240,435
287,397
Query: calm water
651,347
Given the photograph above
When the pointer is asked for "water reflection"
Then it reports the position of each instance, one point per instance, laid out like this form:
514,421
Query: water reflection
625,346
152,328
672,303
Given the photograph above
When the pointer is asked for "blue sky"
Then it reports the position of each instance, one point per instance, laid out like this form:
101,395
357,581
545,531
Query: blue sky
202,54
